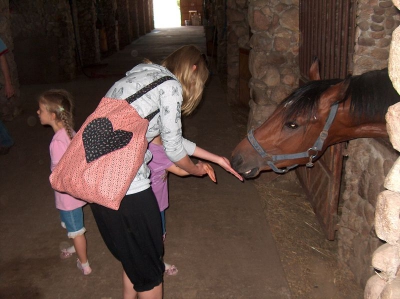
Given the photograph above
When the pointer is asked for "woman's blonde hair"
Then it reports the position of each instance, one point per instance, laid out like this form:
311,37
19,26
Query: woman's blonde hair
59,102
181,63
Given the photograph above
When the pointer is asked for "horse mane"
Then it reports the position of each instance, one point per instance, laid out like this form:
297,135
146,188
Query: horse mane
370,94
304,100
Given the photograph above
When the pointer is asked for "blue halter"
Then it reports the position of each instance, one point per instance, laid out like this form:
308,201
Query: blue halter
312,152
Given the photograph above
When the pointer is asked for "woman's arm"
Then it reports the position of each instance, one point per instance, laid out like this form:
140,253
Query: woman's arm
221,161
172,139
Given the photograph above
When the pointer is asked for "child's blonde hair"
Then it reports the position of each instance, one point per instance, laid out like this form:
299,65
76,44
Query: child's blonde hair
59,102
181,63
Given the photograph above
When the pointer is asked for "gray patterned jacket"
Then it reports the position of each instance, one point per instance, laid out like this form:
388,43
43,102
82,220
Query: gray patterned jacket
168,98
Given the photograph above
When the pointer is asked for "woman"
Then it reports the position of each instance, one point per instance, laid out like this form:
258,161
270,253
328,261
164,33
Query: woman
133,233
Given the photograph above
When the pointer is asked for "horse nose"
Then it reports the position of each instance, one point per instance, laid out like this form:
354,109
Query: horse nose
236,161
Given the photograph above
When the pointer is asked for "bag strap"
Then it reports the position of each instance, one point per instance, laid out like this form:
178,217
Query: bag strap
145,90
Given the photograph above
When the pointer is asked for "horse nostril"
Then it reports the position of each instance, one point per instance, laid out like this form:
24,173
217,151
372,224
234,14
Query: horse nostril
236,161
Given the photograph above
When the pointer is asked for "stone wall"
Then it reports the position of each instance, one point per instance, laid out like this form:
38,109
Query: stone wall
238,37
367,165
385,284
110,21
220,22
386,258
134,20
89,46
44,43
368,159
123,18
376,20
274,55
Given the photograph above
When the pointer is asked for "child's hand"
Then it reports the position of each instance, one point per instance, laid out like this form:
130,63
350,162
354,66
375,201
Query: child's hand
209,170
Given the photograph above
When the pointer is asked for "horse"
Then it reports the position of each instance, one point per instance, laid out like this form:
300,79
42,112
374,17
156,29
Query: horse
313,117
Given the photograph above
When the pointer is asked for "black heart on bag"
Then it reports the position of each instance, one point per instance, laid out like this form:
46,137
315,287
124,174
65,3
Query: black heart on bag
99,139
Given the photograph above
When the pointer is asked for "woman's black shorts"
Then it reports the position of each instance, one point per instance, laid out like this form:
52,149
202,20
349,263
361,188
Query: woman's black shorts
133,234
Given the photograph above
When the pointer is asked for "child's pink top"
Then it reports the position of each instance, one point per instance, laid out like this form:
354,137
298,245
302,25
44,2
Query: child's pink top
58,146
159,174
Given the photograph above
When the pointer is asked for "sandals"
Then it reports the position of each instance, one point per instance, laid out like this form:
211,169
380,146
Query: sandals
170,269
67,252
85,268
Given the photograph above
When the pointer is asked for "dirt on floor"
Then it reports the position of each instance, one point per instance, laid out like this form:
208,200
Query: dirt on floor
310,261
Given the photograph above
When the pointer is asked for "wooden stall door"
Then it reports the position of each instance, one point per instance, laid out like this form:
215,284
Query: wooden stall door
327,31
322,186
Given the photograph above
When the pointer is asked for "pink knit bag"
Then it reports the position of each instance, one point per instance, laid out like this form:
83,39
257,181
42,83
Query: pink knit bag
106,153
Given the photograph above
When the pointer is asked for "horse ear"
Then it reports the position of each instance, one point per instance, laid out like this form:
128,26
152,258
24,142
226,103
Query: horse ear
337,93
314,70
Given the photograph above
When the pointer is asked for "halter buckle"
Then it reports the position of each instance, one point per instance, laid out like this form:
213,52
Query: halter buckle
310,163
312,156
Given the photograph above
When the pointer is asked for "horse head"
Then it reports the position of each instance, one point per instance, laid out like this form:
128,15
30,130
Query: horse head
313,117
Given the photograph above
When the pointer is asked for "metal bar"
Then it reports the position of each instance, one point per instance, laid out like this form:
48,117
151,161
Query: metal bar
301,37
310,28
330,41
318,33
346,33
308,35
324,36
310,32
313,45
339,38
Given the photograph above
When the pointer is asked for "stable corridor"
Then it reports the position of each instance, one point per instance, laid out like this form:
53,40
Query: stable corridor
217,234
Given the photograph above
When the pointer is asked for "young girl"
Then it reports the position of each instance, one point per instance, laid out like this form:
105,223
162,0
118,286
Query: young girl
160,165
55,110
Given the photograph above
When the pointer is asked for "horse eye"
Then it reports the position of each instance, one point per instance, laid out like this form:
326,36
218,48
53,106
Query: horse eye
292,125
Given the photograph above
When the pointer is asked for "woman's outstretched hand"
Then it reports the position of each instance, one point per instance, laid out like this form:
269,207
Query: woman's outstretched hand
208,169
225,164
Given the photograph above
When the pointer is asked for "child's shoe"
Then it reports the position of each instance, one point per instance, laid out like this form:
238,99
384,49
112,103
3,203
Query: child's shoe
85,268
170,269
67,252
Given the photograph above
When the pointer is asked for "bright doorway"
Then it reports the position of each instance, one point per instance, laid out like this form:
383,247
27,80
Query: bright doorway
167,13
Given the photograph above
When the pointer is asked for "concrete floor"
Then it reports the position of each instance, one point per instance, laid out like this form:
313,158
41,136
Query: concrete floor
218,236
